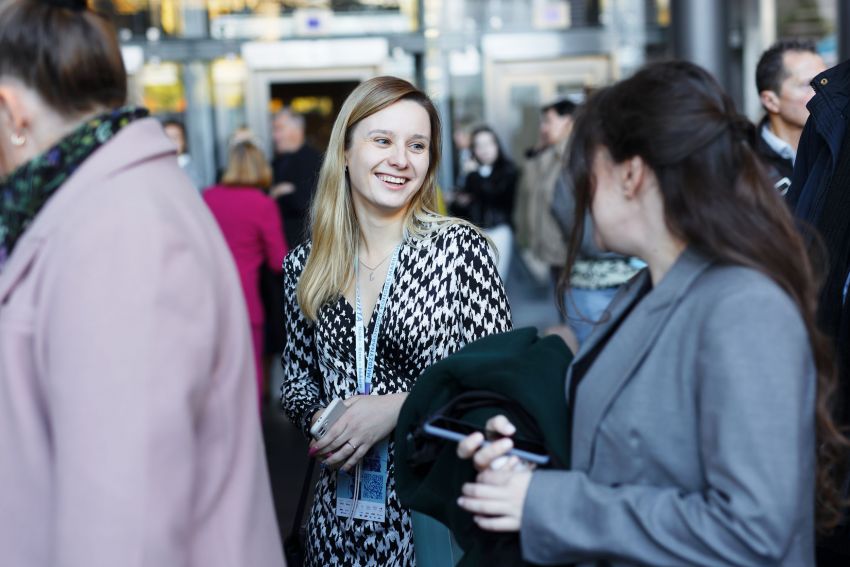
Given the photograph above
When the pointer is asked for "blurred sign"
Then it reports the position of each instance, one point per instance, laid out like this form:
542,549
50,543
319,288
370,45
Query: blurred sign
312,21
552,14
313,53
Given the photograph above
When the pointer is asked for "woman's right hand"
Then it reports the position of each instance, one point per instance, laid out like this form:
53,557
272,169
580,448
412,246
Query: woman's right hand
492,455
497,497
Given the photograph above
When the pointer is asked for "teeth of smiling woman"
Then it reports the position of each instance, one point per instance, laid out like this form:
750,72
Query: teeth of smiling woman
391,179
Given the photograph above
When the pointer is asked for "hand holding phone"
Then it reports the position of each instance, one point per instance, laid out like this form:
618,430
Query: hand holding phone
331,414
457,430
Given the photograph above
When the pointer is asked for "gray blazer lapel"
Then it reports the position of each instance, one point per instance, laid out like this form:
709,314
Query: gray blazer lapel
626,348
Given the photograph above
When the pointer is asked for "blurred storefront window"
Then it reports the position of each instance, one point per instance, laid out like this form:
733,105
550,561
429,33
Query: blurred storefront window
259,19
229,75
810,19
162,88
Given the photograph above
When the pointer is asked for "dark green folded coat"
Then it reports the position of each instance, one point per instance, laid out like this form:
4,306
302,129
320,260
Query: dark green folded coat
529,370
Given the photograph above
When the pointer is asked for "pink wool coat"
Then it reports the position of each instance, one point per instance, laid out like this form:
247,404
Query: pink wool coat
128,420
251,225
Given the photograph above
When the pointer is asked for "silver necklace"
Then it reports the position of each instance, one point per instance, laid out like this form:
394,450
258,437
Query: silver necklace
371,269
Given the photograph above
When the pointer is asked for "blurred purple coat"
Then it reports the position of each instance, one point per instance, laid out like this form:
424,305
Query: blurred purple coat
128,421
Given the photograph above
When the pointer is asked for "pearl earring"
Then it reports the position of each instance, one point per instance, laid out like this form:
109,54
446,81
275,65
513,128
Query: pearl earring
17,139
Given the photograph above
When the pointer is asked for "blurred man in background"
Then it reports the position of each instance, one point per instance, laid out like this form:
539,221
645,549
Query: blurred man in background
783,75
537,231
295,170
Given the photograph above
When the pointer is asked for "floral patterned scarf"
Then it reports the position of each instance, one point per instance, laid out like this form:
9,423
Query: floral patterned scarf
26,190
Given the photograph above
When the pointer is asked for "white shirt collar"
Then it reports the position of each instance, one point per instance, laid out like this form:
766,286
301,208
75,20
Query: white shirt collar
777,144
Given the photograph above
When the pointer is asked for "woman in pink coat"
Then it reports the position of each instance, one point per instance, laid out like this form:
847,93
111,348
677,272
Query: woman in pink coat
252,228
128,423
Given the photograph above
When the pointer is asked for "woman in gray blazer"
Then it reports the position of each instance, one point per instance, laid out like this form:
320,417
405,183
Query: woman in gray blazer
698,407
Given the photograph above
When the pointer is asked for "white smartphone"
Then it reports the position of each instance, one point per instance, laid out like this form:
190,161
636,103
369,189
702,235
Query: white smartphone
332,413
455,430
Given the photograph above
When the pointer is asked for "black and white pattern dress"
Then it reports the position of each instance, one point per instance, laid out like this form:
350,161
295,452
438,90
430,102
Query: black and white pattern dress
446,293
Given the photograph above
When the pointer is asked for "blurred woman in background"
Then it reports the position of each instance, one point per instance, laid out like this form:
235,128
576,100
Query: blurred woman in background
487,199
250,222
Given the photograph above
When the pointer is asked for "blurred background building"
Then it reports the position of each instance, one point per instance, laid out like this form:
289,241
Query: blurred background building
220,64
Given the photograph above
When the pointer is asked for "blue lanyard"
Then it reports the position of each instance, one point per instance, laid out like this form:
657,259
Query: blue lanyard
366,368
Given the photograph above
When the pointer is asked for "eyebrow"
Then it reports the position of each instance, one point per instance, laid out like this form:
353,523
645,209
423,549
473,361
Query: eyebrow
388,133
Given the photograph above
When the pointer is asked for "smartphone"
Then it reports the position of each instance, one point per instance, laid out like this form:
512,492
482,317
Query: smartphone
456,430
332,413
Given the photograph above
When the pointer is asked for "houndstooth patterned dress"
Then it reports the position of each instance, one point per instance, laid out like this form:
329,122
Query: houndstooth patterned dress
446,294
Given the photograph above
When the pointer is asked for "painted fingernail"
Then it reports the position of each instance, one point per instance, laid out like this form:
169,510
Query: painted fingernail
312,451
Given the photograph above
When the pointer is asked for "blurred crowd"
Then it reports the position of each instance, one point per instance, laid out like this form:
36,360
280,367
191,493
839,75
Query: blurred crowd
689,409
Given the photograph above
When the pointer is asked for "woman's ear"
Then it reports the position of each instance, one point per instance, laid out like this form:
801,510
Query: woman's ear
14,113
634,172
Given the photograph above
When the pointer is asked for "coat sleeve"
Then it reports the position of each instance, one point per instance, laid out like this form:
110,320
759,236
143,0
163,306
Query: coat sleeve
301,392
755,405
132,322
274,246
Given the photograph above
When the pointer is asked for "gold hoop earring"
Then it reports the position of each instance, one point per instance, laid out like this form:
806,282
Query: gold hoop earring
17,139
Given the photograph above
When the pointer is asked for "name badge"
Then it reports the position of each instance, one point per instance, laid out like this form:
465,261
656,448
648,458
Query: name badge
372,493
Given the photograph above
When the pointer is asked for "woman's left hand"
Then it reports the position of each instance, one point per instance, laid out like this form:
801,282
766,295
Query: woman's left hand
496,498
367,420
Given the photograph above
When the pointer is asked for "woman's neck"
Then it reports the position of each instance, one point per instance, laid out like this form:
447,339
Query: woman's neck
51,128
661,256
378,236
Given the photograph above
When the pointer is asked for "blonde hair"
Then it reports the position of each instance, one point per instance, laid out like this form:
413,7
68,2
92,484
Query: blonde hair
335,232
247,167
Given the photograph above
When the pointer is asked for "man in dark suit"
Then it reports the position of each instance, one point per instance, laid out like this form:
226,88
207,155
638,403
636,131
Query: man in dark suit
820,198
295,169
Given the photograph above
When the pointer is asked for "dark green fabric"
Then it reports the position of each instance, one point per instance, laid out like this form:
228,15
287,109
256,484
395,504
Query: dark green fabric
517,364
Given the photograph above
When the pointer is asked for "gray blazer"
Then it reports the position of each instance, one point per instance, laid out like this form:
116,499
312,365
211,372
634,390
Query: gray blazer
694,431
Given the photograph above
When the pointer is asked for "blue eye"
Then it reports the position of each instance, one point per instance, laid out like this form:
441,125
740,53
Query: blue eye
382,141
418,147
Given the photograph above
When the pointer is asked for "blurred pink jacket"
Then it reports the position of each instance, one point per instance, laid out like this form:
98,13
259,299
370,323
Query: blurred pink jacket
251,224
128,421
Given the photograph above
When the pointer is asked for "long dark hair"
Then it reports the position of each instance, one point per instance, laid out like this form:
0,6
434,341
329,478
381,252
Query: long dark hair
677,118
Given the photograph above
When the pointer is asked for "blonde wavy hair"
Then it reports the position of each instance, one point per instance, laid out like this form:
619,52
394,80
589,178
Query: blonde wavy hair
335,231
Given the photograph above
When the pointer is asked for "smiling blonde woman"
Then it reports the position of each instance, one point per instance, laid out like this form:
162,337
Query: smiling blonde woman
384,288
